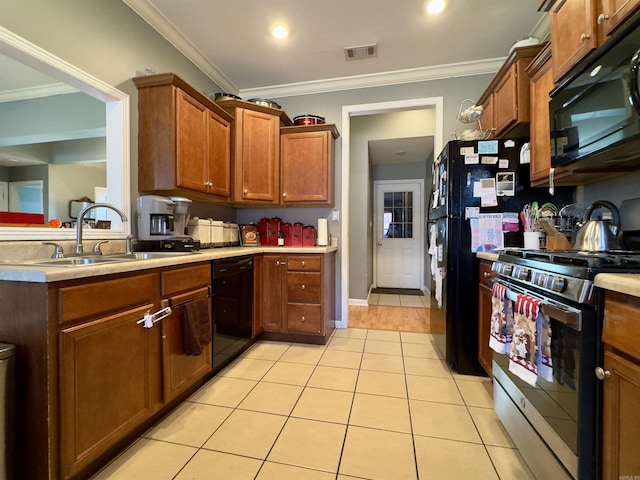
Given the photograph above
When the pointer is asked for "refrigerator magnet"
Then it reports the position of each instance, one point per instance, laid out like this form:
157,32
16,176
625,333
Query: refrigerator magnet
506,184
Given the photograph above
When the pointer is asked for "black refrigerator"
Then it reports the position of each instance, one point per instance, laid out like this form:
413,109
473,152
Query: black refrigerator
463,174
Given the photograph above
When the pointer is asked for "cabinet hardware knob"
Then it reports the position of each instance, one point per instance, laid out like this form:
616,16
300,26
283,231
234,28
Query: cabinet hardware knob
277,263
303,319
601,373
245,191
584,37
302,263
486,274
303,286
602,18
284,194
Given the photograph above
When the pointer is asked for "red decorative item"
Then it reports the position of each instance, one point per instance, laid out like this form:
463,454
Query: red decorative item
275,225
296,235
309,236
263,231
286,232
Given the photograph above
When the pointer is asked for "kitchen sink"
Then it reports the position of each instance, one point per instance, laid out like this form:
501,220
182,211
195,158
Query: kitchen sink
148,255
83,260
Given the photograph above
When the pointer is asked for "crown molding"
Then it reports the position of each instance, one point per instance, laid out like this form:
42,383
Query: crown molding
168,30
36,92
378,79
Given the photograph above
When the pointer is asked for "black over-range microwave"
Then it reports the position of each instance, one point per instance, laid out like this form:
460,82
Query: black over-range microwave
595,111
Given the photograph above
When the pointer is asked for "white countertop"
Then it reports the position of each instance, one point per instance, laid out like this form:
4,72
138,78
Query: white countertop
627,283
42,274
493,256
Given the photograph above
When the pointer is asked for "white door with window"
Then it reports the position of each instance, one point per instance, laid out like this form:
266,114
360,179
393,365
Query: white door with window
398,226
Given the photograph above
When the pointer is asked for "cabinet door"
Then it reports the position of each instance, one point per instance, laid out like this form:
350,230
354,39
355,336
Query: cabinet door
257,158
181,371
307,167
615,12
191,143
272,278
487,117
621,418
505,104
107,369
541,85
573,33
219,167
485,354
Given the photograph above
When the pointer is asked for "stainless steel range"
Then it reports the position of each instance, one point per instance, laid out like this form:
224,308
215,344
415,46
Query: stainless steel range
556,423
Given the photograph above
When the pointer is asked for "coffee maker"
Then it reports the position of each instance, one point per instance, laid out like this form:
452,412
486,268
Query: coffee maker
162,224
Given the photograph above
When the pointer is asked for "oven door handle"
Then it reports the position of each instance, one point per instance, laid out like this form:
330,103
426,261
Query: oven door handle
571,317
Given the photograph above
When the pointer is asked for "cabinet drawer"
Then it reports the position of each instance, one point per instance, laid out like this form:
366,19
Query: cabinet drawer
303,287
621,322
101,298
182,279
485,273
304,318
305,264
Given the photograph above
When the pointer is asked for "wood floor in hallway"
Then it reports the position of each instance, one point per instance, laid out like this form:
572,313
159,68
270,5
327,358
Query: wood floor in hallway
381,317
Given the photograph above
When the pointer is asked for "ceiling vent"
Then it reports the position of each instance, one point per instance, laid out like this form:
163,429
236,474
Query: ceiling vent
363,51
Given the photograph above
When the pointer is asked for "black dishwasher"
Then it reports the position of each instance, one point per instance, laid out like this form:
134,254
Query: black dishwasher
232,308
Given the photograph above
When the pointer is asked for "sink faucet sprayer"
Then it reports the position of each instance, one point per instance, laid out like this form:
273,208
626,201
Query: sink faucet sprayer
80,220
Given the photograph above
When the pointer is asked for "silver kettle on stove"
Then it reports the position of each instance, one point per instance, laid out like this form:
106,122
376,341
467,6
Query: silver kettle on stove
598,235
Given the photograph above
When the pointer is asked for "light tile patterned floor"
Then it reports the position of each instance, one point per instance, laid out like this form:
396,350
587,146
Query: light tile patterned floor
375,405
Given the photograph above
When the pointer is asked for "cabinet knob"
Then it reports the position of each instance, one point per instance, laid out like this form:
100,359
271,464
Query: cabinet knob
601,373
486,274
303,319
245,191
302,263
584,37
284,194
602,18
303,286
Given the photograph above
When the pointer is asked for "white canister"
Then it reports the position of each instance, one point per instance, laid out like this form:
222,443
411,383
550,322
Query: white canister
532,240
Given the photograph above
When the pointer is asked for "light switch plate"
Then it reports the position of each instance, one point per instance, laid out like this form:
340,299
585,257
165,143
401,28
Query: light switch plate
335,215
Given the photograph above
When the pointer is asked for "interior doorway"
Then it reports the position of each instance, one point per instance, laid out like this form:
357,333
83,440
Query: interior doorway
349,111
398,234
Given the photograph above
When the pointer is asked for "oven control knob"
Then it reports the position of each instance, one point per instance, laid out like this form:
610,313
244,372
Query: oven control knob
557,284
521,273
601,373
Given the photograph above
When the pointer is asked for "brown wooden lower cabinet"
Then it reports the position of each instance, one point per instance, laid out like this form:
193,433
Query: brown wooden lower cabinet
298,301
90,379
485,354
621,416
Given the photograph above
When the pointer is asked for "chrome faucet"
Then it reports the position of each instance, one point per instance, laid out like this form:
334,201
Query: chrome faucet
80,221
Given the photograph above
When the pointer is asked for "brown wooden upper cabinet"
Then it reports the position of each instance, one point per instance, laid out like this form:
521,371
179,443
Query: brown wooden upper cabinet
579,26
255,151
184,140
307,156
507,96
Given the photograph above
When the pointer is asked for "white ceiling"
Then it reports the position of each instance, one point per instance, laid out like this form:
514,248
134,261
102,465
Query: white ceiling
230,40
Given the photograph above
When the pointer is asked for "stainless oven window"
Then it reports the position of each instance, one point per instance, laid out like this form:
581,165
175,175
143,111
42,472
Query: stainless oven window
557,401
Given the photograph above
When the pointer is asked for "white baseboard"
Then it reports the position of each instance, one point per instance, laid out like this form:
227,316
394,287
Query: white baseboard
358,302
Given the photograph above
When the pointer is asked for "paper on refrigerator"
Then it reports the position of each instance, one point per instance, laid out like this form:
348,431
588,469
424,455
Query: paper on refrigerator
486,232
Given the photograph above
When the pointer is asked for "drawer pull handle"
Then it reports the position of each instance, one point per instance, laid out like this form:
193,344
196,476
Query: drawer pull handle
584,37
303,319
303,286
303,263
601,18
486,274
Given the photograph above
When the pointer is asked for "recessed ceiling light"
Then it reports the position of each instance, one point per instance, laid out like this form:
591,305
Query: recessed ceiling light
435,6
280,31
